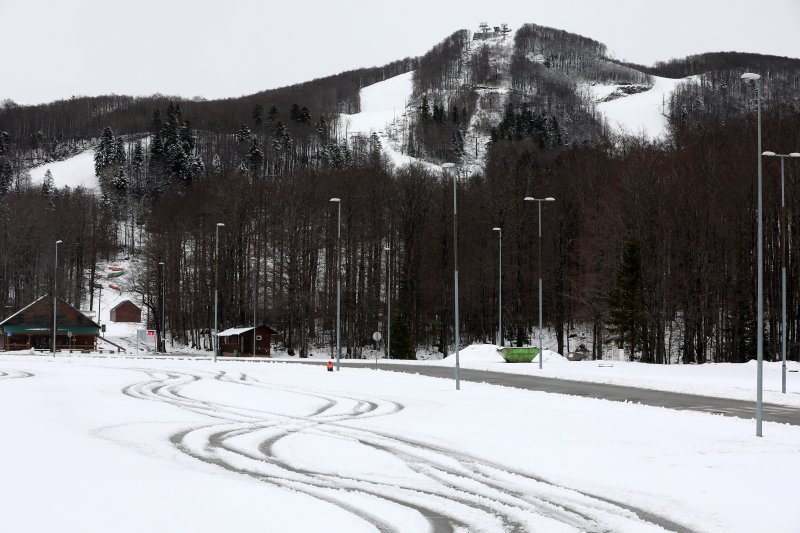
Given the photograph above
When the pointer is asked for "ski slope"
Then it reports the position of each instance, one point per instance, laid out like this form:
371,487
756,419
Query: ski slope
381,103
77,171
172,445
383,112
642,113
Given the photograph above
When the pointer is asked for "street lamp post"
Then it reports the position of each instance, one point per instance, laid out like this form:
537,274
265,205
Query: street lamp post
255,289
338,203
388,302
784,247
539,201
501,340
55,297
216,290
446,167
756,78
163,318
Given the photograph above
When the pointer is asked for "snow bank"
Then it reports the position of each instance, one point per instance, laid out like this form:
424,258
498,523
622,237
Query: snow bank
475,353
480,355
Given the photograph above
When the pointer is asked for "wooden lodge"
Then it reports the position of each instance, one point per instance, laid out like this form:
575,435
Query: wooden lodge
126,311
239,341
32,328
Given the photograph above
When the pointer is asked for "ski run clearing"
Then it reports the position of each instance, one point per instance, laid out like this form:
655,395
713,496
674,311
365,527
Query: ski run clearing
383,112
641,114
76,171
124,444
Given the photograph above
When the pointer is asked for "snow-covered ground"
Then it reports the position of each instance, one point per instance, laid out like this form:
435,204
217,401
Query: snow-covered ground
721,380
76,171
641,113
116,290
383,112
381,104
130,444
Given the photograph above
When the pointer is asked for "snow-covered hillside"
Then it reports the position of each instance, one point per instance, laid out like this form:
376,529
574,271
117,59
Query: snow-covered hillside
386,107
643,113
491,101
384,112
77,171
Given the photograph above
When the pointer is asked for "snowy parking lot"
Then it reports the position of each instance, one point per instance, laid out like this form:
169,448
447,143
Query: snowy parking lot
127,444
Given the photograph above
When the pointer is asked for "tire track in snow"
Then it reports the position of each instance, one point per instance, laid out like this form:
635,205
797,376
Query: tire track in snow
565,512
164,387
15,374
459,491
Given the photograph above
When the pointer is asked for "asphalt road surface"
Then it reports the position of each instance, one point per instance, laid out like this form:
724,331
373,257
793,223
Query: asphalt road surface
617,393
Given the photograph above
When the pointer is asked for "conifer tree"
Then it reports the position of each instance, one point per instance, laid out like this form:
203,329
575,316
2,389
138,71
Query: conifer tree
258,114
625,300
255,159
104,153
47,184
424,109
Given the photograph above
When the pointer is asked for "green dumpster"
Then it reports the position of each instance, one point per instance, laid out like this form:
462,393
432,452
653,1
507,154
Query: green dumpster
518,355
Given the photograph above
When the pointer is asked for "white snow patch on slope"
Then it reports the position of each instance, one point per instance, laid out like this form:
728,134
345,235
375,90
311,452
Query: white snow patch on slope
381,103
383,112
77,171
642,113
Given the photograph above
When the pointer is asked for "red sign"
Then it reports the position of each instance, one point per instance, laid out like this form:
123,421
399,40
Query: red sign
151,333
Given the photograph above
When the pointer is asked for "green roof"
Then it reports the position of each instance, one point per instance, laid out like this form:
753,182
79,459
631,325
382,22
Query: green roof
62,330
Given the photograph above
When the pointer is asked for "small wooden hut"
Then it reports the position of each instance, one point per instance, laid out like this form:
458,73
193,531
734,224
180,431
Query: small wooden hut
126,311
239,341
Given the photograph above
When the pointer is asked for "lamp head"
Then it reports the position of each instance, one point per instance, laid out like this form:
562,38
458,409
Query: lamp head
448,165
386,249
496,229
751,76
529,198
161,263
549,199
59,242
335,200
794,154
769,153
220,225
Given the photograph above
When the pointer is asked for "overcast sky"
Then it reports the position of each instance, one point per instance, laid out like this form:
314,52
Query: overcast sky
54,49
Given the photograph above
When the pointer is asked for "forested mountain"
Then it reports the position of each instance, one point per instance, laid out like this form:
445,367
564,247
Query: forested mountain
648,246
43,128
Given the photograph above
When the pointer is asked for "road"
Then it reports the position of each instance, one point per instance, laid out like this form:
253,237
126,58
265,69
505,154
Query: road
616,393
